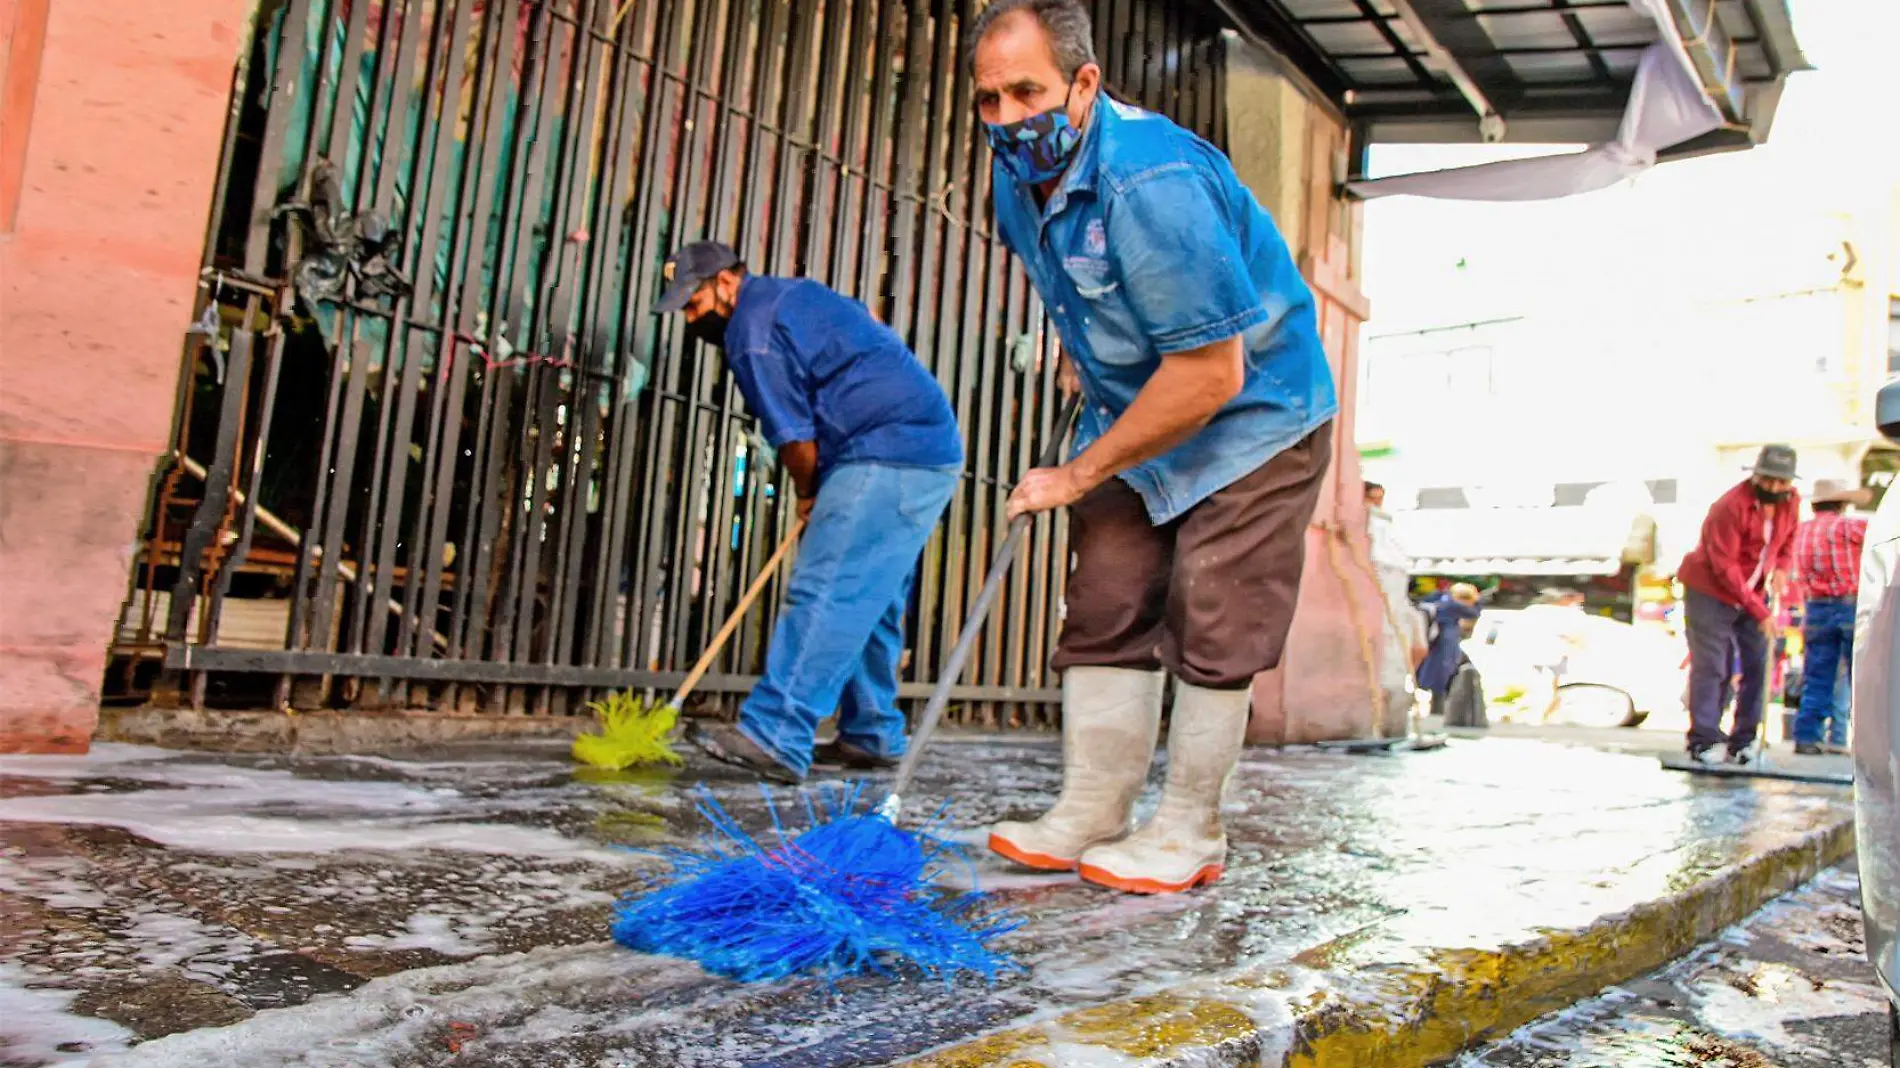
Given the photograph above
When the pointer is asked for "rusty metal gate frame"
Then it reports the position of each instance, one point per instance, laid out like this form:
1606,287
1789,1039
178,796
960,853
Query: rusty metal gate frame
543,156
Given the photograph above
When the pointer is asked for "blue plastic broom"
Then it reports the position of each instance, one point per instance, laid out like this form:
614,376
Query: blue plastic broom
854,892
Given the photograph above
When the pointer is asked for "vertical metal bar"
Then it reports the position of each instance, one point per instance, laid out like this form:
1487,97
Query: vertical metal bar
392,455
525,481
497,77
428,537
270,159
757,244
301,628
912,132
253,481
834,70
724,211
753,240
981,355
849,142
685,594
633,272
1121,50
342,91
599,322
878,202
963,280
209,515
395,104
938,178
577,449
656,452
342,476
1019,415
1219,65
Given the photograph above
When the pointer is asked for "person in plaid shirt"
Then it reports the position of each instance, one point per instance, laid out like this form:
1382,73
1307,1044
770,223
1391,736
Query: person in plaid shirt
1827,573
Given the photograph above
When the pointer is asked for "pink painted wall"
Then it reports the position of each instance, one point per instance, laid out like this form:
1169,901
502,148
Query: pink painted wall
110,188
1326,686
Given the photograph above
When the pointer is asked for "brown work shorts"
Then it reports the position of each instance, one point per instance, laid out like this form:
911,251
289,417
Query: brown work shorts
1209,595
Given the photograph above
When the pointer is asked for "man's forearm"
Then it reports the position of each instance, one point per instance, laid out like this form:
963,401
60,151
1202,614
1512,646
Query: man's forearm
1186,391
800,460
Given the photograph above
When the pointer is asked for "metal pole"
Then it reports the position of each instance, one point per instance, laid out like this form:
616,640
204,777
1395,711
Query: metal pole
953,667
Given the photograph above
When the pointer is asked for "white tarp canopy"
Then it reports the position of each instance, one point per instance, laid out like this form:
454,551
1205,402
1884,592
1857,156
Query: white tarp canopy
1524,541
1667,106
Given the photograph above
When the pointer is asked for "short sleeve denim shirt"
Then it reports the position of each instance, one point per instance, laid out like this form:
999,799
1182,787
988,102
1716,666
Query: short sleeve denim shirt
813,365
1151,246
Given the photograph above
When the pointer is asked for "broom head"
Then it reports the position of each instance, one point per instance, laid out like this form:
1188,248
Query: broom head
633,731
853,893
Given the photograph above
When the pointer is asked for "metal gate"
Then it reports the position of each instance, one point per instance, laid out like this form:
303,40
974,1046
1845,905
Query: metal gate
432,450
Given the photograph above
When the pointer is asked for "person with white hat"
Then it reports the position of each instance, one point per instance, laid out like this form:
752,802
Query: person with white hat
1741,560
1827,573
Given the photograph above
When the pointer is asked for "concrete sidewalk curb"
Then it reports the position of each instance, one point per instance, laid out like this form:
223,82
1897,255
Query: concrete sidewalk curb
1400,1014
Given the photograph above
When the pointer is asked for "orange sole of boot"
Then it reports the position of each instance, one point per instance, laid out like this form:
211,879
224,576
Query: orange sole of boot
1101,877
1003,847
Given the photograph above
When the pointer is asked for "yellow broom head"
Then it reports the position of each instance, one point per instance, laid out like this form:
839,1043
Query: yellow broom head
633,731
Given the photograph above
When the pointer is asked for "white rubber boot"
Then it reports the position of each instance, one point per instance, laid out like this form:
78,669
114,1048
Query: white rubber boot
1109,720
1183,846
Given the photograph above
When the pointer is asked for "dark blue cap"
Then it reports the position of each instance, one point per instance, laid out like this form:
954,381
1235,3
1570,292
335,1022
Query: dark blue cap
689,268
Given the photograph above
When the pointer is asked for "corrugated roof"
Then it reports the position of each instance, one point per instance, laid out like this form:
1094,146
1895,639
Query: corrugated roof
1553,70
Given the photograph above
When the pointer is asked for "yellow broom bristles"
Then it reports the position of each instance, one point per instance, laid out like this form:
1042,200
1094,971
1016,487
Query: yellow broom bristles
633,731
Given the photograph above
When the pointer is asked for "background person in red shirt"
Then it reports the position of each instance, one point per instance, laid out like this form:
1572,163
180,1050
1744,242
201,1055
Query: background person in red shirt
1741,561
1827,573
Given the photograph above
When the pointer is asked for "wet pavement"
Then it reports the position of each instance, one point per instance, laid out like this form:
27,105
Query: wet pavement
1789,988
450,906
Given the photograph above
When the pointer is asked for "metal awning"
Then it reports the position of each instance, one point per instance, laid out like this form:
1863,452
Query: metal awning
1549,71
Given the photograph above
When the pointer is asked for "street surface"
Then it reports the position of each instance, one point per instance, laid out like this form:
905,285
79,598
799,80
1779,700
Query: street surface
1789,988
450,907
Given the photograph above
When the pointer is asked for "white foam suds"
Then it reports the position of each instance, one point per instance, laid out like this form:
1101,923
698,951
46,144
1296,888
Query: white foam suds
447,935
222,809
394,1016
37,1028
106,758
1781,995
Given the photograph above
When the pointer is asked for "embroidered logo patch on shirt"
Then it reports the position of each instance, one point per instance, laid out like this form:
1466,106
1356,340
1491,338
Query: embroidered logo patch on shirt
1095,238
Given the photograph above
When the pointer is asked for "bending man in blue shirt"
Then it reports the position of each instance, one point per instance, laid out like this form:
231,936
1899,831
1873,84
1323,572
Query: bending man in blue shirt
1200,454
872,446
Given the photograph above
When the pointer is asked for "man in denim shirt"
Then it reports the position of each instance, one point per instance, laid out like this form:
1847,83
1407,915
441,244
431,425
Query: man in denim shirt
1200,454
872,446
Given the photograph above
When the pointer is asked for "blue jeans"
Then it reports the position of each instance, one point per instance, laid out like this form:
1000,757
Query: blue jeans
841,632
1718,633
1828,631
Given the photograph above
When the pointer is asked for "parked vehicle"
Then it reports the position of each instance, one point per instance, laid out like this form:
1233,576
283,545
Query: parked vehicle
1876,727
1563,665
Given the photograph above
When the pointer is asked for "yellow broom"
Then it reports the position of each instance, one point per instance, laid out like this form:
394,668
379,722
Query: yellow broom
635,730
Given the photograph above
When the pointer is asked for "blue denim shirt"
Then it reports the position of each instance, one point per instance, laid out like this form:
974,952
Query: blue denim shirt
814,366
1151,246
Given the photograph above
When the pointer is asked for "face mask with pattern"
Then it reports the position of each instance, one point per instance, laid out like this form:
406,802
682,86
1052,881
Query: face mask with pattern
1038,148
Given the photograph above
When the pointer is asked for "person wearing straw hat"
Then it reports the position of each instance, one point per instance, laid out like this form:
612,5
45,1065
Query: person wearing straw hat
1199,456
1740,563
1827,575
870,441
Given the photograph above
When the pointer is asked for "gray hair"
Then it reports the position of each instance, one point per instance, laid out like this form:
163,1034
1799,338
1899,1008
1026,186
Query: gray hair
1066,23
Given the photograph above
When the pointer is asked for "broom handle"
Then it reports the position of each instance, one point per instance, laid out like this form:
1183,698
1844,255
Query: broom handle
732,622
992,586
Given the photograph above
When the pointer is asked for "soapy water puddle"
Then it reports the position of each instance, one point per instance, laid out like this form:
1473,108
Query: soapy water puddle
356,907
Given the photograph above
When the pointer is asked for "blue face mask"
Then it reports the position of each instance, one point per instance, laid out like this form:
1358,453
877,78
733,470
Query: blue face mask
1038,148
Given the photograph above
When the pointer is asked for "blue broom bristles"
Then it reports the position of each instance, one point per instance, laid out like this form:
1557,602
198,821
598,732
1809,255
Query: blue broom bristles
851,894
